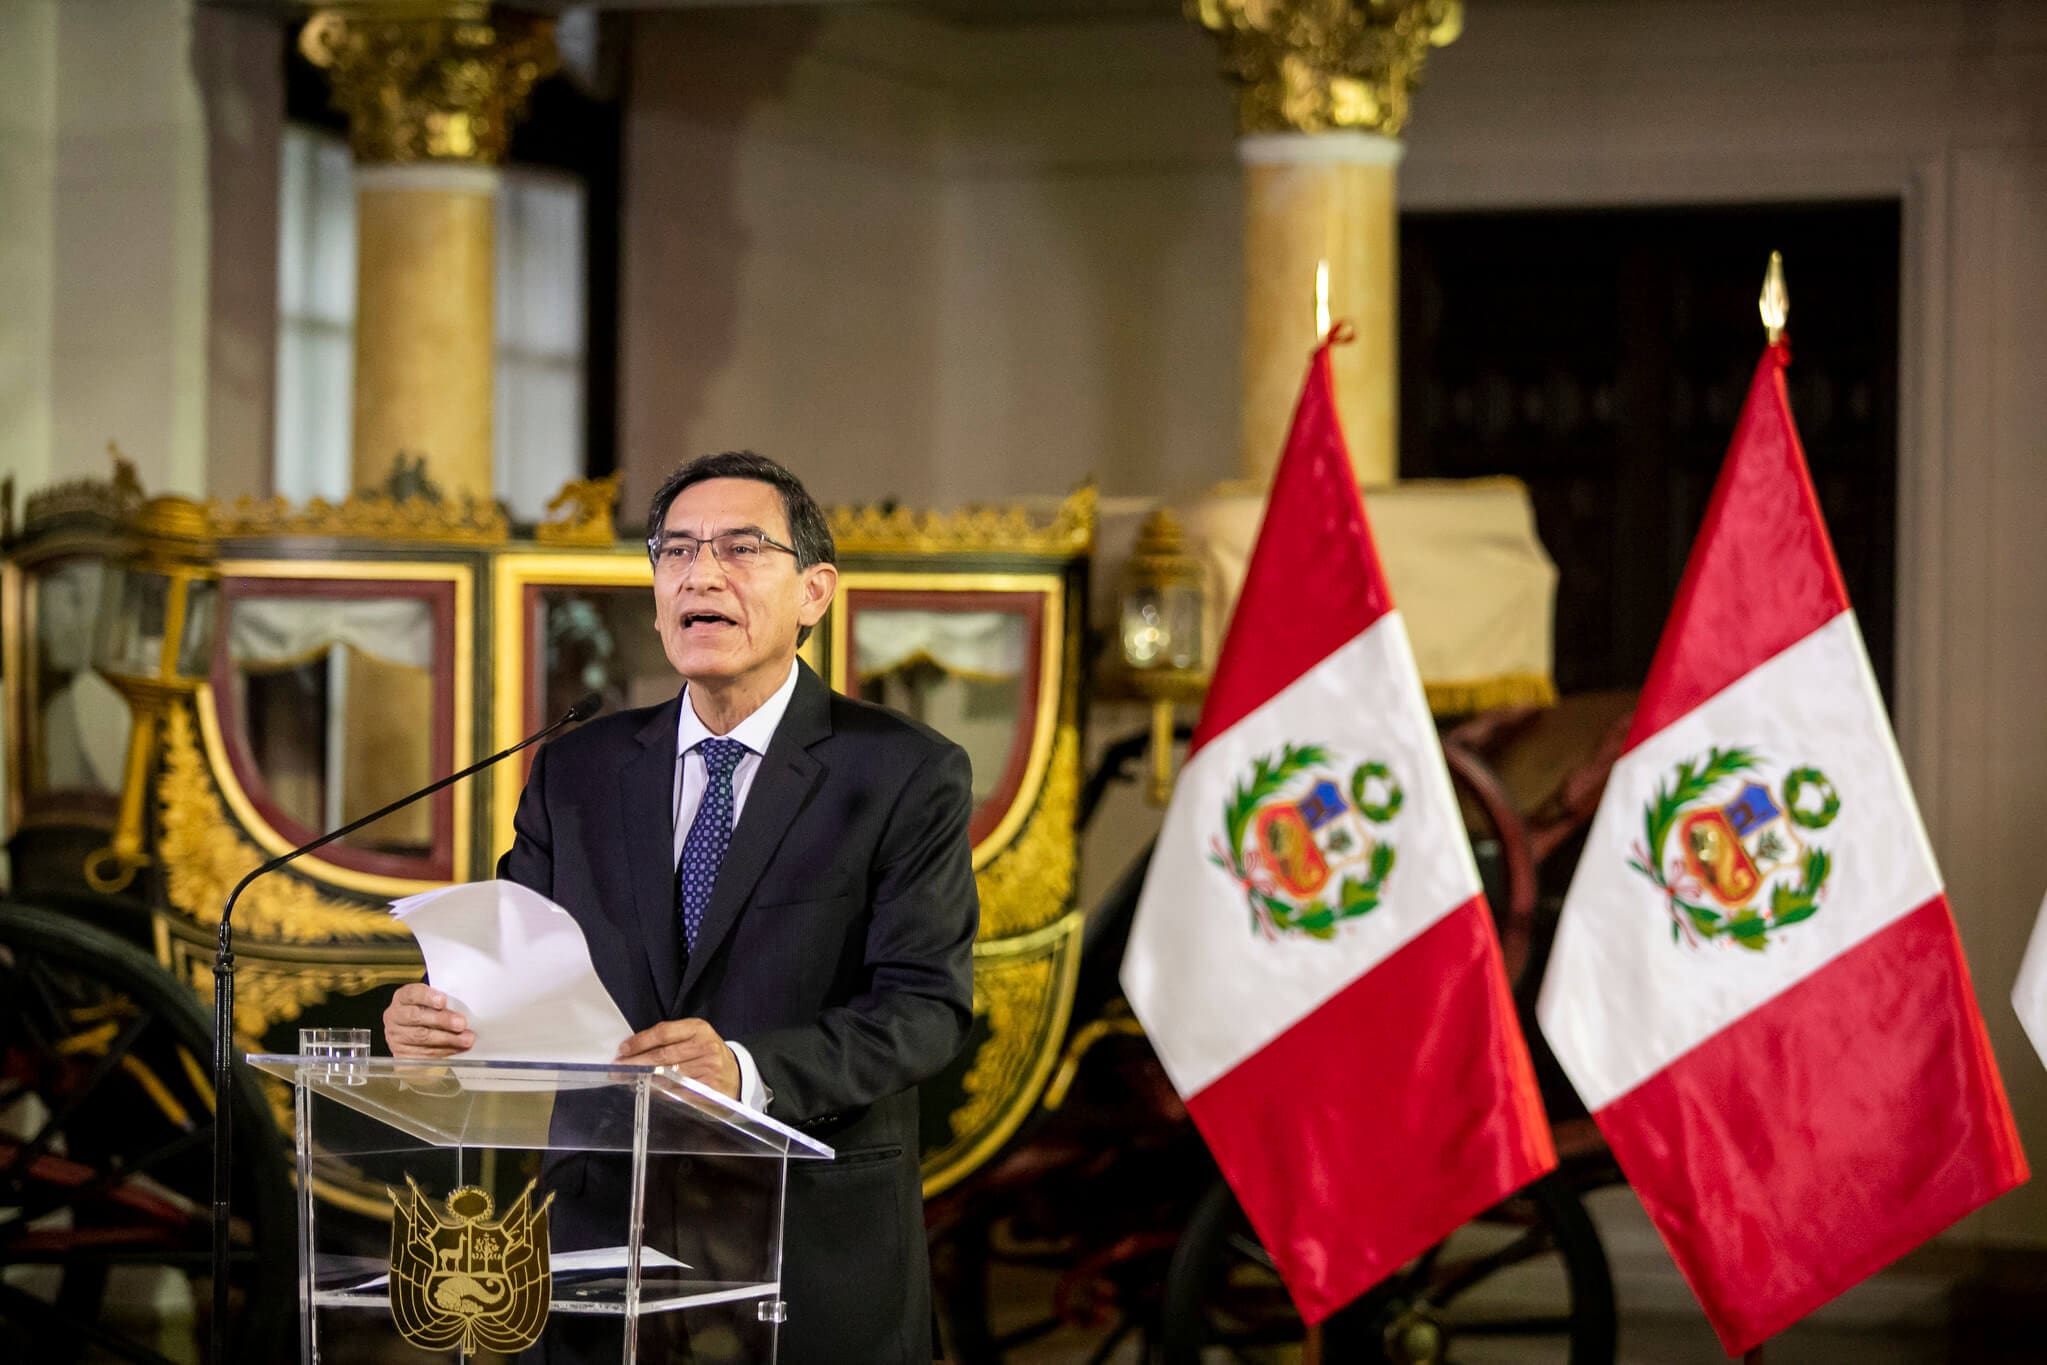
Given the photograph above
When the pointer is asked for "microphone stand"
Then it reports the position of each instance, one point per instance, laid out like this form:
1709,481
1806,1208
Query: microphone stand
224,1008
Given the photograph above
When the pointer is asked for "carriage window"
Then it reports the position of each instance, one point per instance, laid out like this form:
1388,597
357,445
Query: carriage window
594,639
336,700
965,673
79,738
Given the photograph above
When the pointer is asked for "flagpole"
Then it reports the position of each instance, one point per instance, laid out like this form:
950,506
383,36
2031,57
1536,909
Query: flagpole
1775,303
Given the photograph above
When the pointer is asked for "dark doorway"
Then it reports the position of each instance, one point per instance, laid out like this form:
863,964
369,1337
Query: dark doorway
1602,358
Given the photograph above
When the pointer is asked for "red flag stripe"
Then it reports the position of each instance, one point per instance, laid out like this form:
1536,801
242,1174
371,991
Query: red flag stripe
1313,582
1403,1105
1776,1158
1762,574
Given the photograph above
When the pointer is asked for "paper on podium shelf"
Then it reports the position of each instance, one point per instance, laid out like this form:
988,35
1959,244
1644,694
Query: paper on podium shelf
517,967
567,1265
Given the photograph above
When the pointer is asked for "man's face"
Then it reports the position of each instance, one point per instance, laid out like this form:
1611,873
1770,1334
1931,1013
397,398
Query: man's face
721,624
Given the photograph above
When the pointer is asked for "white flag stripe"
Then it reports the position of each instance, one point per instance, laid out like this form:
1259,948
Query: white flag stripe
2029,996
1365,703
1621,1001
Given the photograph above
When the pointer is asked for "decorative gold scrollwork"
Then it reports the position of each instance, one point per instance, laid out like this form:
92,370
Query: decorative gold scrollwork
1023,997
112,500
435,86
1012,998
588,520
268,994
1310,66
203,857
1014,530
1029,884
363,516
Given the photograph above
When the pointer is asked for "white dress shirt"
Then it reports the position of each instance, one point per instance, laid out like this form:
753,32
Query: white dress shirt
690,780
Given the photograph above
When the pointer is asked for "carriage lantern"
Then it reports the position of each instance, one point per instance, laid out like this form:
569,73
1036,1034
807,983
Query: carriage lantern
154,643
1163,650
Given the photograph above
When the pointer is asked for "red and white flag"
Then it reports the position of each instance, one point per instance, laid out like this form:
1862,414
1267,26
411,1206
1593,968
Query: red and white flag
1756,985
1312,956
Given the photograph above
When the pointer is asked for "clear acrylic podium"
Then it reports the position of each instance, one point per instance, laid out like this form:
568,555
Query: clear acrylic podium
538,1212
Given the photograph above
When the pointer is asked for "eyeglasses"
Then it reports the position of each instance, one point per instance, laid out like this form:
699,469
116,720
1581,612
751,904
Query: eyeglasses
735,551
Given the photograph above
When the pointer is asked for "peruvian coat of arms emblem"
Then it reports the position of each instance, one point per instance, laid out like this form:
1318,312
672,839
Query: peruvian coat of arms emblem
461,1279
1743,864
1303,840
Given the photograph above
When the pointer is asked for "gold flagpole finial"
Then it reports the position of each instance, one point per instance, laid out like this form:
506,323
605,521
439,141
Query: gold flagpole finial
1775,304
1321,300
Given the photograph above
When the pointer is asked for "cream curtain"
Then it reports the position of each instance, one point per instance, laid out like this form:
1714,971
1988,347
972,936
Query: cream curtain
268,634
970,644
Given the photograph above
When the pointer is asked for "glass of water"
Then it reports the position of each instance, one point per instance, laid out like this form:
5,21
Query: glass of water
346,1045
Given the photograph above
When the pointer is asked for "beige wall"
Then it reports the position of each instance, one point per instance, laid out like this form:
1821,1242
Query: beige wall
28,134
947,263
129,259
138,240
780,261
925,261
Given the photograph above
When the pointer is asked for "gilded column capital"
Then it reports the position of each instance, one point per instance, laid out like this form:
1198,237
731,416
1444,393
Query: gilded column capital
1308,66
429,80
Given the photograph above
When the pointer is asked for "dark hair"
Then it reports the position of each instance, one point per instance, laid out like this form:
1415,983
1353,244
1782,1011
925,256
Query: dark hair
809,534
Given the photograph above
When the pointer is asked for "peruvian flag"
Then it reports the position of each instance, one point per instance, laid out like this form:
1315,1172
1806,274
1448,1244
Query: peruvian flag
1312,957
1756,985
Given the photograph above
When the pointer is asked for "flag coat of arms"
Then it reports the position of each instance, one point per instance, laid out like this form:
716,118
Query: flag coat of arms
1756,985
1312,957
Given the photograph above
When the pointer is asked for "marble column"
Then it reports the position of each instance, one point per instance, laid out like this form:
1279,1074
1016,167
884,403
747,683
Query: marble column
1322,97
431,92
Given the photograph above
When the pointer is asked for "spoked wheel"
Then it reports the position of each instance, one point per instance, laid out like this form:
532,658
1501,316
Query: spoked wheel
106,1178
1526,1281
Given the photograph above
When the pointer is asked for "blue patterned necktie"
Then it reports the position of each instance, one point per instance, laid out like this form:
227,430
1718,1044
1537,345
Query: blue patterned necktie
710,834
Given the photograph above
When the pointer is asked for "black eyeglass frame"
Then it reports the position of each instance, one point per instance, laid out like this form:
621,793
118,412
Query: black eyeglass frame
656,543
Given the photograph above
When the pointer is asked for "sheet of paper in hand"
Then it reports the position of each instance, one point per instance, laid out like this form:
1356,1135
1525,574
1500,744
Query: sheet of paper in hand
516,965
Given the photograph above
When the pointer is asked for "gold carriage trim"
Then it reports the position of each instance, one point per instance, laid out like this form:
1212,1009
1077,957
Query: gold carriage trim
1024,990
1002,530
203,856
363,516
588,518
1029,884
1484,694
114,499
267,995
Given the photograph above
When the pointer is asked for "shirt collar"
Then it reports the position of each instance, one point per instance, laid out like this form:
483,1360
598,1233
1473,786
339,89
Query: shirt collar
754,732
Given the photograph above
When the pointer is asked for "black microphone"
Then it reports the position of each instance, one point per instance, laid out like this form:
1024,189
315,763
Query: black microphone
224,1002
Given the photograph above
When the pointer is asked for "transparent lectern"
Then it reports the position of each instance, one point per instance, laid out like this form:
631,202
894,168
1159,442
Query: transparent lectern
538,1212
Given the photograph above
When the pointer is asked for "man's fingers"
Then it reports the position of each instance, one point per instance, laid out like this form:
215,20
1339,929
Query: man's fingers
419,993
417,1016
670,1054
691,1035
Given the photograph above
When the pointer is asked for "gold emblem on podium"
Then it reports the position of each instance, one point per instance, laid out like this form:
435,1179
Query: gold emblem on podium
460,1278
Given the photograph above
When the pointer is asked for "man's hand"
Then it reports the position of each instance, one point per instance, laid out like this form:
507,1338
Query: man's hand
418,1023
692,1047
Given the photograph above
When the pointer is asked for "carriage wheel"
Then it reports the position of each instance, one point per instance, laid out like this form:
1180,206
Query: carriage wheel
1526,1281
106,1178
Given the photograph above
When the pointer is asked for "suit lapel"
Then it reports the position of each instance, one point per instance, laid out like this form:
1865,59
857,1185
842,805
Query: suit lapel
647,794
788,776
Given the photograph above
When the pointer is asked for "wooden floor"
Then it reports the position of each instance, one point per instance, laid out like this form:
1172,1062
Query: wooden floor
1931,1307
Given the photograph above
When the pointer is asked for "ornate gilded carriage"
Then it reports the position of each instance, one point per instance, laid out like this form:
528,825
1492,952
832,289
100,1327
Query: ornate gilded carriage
357,650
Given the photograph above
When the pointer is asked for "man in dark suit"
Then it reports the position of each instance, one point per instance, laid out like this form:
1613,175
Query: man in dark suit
777,888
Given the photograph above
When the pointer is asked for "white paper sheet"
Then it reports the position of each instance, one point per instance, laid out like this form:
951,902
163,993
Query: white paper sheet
597,1259
517,967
